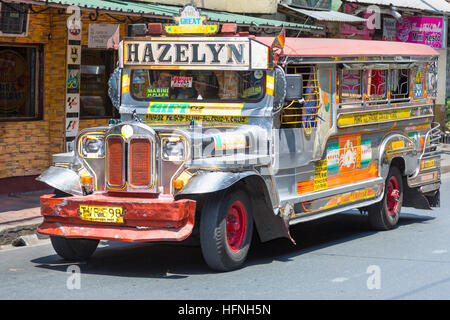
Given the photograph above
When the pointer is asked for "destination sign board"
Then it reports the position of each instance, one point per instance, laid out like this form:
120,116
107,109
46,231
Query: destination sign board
233,53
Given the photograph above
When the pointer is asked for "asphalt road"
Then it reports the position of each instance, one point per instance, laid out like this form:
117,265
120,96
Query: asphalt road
335,258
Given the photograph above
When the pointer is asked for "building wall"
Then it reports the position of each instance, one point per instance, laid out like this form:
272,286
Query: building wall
26,147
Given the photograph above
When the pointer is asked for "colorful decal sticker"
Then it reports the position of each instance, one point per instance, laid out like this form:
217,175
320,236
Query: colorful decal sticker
73,80
230,142
352,196
341,199
371,171
181,82
194,108
72,102
73,54
327,91
428,164
200,118
349,153
320,175
125,83
352,119
72,127
366,152
270,85
398,144
157,92
333,156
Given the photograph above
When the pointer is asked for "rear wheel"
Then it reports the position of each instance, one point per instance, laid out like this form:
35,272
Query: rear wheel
226,227
74,249
385,214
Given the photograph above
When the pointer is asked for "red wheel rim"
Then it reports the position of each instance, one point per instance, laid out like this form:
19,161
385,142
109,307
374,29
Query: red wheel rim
236,225
392,196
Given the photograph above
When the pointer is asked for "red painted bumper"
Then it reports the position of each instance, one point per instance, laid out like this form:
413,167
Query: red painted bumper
144,219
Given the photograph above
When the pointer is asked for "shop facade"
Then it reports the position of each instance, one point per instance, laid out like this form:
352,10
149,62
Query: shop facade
33,84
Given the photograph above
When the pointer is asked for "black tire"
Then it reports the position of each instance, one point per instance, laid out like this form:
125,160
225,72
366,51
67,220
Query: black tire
385,214
74,249
224,251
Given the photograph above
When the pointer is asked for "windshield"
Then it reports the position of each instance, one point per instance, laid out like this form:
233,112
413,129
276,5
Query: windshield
197,85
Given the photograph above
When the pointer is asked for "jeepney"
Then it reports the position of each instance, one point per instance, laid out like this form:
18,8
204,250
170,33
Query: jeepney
222,137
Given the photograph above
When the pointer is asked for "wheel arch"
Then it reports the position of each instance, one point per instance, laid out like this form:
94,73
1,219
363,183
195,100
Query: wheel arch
404,158
268,225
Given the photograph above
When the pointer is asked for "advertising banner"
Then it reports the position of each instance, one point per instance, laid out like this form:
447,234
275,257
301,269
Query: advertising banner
424,30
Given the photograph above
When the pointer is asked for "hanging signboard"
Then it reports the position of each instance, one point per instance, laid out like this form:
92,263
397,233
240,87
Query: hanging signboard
389,29
424,30
190,22
103,36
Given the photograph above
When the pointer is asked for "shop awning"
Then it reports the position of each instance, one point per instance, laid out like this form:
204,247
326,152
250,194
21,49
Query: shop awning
325,15
436,6
164,11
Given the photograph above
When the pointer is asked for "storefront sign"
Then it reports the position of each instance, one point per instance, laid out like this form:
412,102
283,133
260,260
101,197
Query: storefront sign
424,30
389,29
103,36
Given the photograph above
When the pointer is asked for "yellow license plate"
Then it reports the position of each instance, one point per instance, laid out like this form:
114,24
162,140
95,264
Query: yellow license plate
102,214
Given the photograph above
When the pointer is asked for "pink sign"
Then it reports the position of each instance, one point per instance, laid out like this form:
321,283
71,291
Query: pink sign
425,30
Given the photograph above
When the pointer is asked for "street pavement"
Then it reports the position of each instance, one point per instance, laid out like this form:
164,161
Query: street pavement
20,213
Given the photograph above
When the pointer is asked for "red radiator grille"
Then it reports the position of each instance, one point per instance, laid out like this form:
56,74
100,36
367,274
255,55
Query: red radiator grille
115,162
140,163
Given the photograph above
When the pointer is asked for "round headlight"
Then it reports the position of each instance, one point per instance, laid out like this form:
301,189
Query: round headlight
92,146
172,149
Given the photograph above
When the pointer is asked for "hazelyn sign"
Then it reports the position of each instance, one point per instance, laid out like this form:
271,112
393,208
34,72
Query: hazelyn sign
194,53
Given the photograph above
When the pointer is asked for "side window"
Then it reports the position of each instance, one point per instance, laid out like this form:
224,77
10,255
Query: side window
399,84
418,82
375,83
431,79
303,115
350,89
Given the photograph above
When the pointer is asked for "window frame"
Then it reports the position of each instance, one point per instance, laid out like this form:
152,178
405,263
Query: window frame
27,23
263,91
39,82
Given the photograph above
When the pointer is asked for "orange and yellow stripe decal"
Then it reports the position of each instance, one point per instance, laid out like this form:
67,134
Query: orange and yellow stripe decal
345,178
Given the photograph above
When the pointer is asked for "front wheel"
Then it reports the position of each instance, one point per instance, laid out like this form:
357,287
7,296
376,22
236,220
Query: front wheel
385,214
226,227
74,249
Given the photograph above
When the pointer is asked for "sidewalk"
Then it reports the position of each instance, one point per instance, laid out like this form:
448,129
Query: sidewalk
20,213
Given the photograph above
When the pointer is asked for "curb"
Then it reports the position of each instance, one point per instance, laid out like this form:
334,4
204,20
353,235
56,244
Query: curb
9,234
